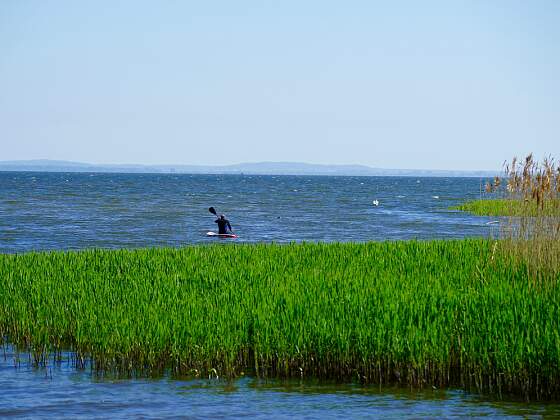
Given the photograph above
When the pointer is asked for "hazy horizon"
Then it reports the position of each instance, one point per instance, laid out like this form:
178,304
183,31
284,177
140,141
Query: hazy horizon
498,166
266,165
434,85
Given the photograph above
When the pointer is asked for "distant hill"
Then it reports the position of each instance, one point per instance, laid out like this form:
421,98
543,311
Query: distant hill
257,168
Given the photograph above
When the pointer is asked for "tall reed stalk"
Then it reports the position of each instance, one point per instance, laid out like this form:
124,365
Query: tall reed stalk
531,235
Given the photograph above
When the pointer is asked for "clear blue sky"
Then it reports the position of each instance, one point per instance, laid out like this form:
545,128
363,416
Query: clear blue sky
404,84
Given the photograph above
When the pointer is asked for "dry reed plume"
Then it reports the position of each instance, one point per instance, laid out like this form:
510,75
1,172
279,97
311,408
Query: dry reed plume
532,202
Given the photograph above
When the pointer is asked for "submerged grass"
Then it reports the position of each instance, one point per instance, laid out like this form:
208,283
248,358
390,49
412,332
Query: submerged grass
420,313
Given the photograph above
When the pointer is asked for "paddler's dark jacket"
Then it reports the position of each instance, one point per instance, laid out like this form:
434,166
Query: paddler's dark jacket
222,223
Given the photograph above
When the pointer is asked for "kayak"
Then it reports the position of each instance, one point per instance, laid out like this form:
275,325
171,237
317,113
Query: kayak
221,235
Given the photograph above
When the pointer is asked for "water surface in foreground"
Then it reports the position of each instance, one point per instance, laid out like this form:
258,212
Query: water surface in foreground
61,391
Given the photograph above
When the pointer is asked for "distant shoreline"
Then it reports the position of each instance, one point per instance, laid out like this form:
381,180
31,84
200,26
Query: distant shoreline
260,168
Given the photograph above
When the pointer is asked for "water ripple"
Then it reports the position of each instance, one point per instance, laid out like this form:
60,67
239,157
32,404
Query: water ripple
45,211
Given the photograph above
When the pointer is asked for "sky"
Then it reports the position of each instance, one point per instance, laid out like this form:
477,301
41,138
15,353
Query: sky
451,84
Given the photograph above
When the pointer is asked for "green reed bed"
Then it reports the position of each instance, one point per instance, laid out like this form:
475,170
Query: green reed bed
510,207
528,188
530,210
419,313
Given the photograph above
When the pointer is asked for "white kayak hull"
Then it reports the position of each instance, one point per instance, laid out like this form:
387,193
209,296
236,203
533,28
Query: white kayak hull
221,235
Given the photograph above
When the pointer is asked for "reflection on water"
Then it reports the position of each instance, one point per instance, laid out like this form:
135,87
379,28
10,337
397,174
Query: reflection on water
40,211
61,391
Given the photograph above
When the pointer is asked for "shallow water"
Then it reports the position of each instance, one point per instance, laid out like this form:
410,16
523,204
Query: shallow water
61,391
45,211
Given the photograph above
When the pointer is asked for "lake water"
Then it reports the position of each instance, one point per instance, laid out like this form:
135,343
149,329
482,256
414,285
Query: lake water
44,211
61,391
48,211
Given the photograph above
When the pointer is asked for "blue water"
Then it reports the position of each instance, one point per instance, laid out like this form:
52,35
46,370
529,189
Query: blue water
49,211
45,211
61,391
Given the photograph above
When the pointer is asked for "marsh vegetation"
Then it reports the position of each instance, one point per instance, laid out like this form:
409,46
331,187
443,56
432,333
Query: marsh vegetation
527,198
432,313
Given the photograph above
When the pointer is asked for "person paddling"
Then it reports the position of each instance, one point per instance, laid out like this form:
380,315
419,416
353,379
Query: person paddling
224,226
223,223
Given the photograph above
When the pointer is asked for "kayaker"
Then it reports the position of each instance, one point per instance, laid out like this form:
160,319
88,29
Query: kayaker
223,225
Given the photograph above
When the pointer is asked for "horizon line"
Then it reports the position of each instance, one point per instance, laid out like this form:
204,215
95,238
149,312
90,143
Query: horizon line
227,165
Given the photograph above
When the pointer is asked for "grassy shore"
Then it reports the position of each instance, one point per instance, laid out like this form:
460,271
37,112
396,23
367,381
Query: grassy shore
510,207
528,189
421,313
